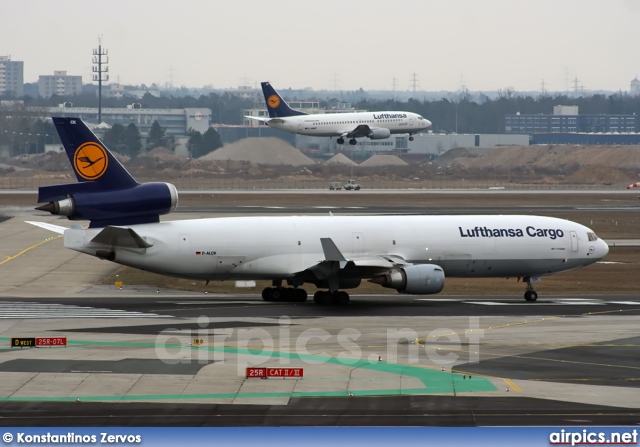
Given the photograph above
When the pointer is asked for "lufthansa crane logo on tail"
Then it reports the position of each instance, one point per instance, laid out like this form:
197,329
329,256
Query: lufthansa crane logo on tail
273,101
90,161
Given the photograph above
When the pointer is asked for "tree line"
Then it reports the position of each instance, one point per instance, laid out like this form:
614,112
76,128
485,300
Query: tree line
25,133
464,112
128,141
461,112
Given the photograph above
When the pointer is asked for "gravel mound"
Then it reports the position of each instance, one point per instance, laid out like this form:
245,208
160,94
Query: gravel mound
383,160
261,151
341,159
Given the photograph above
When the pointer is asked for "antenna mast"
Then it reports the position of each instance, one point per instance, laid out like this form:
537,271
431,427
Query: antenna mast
100,72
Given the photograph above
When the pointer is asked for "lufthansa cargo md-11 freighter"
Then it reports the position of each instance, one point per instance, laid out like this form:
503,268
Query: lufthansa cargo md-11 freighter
412,254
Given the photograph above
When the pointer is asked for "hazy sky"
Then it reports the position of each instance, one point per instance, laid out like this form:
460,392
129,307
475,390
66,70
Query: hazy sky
348,44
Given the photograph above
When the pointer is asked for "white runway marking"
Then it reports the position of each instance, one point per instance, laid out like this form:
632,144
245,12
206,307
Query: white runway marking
488,303
22,310
541,302
628,303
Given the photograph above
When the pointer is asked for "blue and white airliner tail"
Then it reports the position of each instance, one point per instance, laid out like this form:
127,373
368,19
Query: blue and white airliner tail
276,105
106,194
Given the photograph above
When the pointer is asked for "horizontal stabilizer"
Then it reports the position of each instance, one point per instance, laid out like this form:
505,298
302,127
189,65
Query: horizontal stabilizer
47,226
120,237
257,118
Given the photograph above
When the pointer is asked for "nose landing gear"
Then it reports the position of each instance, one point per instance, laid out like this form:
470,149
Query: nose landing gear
531,294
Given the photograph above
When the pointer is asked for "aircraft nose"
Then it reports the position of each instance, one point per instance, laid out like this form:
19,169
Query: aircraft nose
603,248
427,123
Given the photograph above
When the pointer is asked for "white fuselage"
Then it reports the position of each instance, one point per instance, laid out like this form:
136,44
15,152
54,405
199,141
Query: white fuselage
280,247
340,124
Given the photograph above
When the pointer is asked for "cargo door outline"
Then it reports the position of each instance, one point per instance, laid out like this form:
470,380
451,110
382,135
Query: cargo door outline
574,241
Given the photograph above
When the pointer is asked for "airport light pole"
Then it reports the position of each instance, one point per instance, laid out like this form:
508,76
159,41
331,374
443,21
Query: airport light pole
100,72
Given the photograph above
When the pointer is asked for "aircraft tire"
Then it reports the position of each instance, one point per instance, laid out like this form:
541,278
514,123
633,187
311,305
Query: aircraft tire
353,142
530,295
341,298
299,295
267,294
278,294
323,298
340,141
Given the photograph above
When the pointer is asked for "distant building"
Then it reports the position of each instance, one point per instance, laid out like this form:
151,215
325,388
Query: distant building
565,110
176,122
11,77
567,120
635,87
121,91
423,144
60,83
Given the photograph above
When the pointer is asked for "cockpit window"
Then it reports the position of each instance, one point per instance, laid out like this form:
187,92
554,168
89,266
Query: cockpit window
592,237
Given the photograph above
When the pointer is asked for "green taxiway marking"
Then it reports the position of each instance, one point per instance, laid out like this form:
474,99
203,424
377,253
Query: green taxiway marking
434,381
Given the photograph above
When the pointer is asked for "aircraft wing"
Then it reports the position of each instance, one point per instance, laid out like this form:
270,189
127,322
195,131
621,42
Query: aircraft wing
380,262
362,130
364,266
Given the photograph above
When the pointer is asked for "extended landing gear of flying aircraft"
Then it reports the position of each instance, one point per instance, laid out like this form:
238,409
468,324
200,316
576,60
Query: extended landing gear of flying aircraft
284,294
340,140
530,294
328,297
353,142
410,137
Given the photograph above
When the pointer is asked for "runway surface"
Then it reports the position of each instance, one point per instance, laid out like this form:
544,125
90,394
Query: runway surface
561,360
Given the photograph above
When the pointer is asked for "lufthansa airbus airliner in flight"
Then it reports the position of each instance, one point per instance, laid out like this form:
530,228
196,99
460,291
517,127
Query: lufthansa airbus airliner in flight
411,254
373,125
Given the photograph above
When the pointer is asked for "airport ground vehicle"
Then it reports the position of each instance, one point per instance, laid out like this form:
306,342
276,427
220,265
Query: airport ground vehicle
352,185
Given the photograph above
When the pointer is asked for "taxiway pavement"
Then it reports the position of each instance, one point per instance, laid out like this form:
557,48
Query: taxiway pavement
380,360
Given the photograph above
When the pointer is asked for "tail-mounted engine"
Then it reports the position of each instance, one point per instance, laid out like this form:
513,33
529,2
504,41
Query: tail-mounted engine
422,279
142,203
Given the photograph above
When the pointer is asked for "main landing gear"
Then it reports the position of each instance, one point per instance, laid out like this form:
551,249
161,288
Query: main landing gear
410,137
294,295
530,294
352,141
